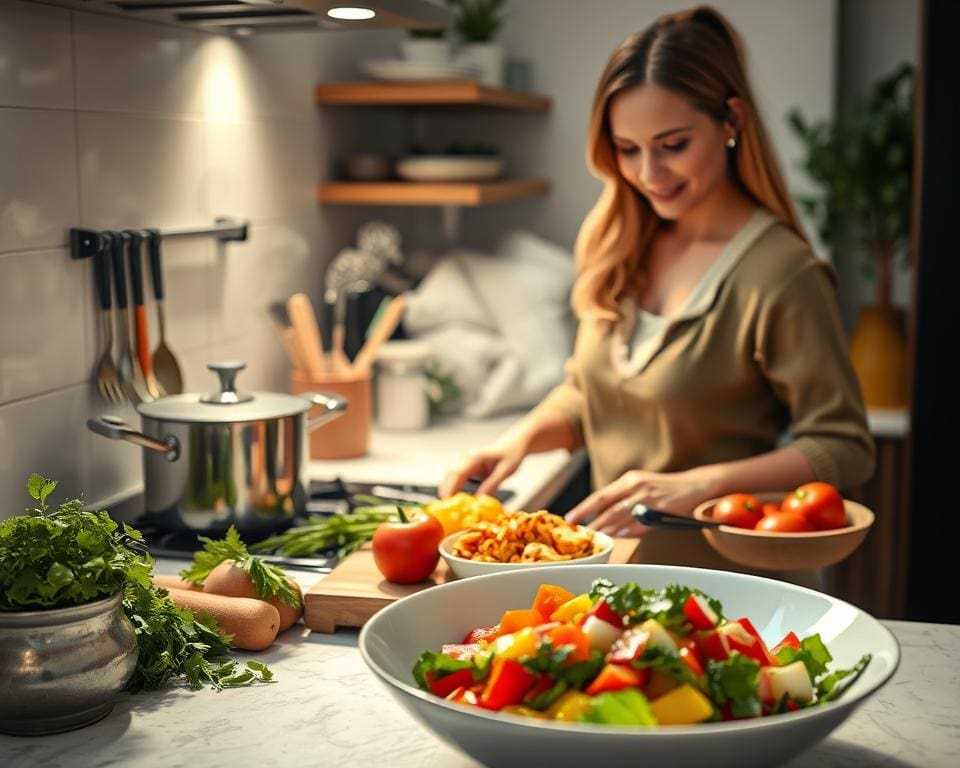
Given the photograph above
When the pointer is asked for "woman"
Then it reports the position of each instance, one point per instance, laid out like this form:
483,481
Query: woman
710,356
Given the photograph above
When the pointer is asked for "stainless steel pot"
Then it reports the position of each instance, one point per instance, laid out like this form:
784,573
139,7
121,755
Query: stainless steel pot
62,667
224,458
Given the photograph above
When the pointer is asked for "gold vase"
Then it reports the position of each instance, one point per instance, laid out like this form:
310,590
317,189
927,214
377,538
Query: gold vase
878,350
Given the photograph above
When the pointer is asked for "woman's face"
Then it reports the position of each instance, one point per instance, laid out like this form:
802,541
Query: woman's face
671,153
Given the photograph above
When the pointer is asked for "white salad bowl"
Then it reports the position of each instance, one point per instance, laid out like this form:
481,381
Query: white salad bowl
462,568
393,639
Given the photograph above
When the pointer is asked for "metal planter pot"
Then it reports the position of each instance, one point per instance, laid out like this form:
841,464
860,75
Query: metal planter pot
225,458
62,667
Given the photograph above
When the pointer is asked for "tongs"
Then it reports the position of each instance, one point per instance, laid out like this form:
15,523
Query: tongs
657,518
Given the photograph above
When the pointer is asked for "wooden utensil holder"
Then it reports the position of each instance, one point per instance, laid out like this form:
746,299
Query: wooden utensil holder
348,436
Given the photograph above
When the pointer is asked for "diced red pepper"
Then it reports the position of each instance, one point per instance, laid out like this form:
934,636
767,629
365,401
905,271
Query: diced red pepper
444,686
604,612
790,640
508,682
549,598
689,657
613,677
765,657
460,650
699,613
712,644
482,633
629,646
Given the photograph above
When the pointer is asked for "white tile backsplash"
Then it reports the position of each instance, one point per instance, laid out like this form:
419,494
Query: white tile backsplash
131,66
36,67
140,171
42,352
38,178
108,122
45,434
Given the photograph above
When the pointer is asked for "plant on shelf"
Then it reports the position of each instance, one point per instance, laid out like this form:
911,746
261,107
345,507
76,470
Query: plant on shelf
426,45
862,161
477,21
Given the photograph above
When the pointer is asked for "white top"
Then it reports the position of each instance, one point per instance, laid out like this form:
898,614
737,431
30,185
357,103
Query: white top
644,332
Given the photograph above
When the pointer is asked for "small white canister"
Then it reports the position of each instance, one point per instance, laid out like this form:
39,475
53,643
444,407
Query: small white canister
402,399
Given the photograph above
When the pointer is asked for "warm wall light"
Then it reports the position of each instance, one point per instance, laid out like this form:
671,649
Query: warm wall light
351,14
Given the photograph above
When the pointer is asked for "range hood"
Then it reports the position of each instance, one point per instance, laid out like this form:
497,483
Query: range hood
245,16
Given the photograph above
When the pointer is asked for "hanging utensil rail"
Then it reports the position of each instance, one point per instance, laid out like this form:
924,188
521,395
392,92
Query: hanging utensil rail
85,243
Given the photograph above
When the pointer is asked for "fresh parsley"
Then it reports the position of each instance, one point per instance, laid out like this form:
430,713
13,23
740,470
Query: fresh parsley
268,580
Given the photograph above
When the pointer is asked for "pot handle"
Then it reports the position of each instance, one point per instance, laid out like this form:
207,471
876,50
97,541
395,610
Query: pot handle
118,429
333,407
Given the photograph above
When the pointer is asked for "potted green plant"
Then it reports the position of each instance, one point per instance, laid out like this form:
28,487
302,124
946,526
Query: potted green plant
426,46
477,23
862,161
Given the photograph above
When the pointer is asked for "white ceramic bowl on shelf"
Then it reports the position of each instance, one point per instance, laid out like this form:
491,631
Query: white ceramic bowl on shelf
449,167
463,568
393,639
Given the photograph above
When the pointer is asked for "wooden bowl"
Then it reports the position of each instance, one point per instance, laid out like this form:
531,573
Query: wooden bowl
769,551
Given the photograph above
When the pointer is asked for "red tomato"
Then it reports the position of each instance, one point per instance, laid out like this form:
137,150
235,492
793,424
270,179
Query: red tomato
785,522
738,509
820,503
770,509
407,551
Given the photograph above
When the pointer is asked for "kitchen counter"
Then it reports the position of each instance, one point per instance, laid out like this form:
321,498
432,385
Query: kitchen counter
422,457
326,708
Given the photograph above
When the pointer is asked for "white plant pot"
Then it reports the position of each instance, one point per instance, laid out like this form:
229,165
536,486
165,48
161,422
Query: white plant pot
426,50
486,57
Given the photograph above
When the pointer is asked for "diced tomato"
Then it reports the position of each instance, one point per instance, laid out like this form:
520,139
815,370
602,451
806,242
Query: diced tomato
444,686
482,633
613,677
570,634
629,646
460,650
699,613
549,598
509,680
689,657
605,613
790,640
511,621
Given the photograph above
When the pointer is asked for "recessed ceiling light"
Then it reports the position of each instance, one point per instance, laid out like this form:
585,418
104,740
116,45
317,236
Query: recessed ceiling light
351,14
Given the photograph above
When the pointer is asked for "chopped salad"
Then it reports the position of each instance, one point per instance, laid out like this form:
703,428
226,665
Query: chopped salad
628,656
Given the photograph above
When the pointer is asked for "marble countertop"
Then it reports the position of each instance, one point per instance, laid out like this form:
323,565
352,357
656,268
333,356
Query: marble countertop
326,708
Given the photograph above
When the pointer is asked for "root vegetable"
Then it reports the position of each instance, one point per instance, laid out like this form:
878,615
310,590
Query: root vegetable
230,580
253,623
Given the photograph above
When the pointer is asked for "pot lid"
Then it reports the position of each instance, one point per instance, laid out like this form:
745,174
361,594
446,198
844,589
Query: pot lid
227,405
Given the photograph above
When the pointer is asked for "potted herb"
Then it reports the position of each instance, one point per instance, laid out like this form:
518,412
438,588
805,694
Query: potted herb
426,46
477,23
80,620
863,163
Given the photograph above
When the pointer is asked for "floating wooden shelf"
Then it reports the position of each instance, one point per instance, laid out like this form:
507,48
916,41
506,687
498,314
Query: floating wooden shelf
438,93
420,193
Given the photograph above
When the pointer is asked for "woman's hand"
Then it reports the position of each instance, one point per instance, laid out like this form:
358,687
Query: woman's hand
608,509
494,464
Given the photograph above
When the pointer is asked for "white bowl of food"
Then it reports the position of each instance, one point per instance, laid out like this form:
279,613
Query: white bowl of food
522,540
396,637
449,167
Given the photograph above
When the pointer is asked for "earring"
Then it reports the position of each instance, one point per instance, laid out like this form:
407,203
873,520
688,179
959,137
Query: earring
732,143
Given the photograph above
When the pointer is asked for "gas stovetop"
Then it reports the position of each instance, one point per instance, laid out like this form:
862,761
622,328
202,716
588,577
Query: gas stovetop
323,498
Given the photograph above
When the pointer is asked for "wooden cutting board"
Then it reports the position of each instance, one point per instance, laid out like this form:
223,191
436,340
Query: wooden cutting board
355,589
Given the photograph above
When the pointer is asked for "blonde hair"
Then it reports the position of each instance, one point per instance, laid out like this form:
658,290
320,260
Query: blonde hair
698,55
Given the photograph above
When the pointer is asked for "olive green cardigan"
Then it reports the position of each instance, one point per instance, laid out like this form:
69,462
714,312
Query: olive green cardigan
765,364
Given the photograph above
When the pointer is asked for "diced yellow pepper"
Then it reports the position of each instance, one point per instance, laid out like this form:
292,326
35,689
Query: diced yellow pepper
486,508
683,705
516,645
519,709
451,512
569,707
569,610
